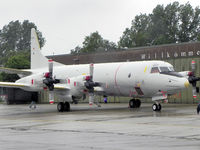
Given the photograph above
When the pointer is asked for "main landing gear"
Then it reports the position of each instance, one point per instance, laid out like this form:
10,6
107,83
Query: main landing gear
156,107
134,103
198,108
63,106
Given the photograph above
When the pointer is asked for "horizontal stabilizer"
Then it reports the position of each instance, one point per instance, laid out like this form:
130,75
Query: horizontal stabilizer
15,71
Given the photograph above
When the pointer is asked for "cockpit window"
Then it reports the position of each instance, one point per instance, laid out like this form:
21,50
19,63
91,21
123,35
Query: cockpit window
167,70
164,69
154,70
171,68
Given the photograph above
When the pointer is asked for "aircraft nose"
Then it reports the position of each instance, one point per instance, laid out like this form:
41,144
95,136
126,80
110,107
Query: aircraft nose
186,84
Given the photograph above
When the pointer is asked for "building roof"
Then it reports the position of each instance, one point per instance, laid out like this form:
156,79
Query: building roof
159,52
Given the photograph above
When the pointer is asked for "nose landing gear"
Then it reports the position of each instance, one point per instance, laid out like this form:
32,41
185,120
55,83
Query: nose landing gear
156,107
198,108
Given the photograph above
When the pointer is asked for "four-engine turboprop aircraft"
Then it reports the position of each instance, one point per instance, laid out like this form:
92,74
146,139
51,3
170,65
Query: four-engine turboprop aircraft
140,79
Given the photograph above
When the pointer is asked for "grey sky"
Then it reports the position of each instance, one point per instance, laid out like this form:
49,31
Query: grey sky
65,23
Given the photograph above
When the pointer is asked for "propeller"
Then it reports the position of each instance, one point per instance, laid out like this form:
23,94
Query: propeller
193,79
90,84
49,81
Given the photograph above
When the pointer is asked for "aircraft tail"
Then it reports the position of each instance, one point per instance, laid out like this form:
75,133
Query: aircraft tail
37,59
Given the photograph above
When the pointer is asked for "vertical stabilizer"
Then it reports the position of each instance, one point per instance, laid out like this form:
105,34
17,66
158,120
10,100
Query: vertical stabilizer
37,59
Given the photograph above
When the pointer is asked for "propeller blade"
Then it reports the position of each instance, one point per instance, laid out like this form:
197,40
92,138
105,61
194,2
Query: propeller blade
193,66
91,98
51,97
51,67
194,92
91,71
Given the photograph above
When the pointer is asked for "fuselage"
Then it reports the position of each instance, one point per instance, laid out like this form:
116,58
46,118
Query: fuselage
133,79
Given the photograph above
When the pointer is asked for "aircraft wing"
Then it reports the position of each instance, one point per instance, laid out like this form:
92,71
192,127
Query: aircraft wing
98,90
13,85
22,85
15,71
61,87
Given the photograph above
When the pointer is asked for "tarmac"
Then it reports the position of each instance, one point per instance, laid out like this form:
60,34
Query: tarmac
110,127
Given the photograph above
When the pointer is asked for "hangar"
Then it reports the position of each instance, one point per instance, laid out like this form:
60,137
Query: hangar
179,55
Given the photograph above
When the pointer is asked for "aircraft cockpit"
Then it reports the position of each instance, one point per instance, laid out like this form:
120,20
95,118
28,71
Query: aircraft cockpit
165,70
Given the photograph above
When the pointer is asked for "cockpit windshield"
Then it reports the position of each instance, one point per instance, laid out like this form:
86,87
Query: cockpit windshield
165,70
169,71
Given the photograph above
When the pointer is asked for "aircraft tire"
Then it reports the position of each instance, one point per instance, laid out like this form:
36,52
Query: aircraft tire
198,108
60,107
137,103
66,106
159,107
155,107
132,103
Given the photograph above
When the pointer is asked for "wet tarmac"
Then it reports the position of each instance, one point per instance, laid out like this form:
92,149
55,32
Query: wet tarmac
111,127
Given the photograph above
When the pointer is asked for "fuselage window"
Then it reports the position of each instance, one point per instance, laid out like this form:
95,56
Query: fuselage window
154,70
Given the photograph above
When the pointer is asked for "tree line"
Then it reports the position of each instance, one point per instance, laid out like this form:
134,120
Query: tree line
174,23
15,46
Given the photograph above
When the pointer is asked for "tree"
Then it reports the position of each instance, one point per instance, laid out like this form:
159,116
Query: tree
76,50
189,23
18,61
15,47
15,37
138,34
94,43
158,28
127,39
171,24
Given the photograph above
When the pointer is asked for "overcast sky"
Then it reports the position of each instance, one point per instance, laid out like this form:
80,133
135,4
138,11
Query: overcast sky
65,23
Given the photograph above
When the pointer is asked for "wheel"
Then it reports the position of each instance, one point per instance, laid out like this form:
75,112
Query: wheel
60,107
198,109
159,107
155,107
66,106
138,103
132,103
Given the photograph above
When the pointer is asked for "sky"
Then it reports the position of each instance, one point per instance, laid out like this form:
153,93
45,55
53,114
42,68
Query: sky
65,23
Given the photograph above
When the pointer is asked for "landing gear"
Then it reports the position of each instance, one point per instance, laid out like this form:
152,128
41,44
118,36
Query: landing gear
134,103
66,106
198,108
156,107
63,106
